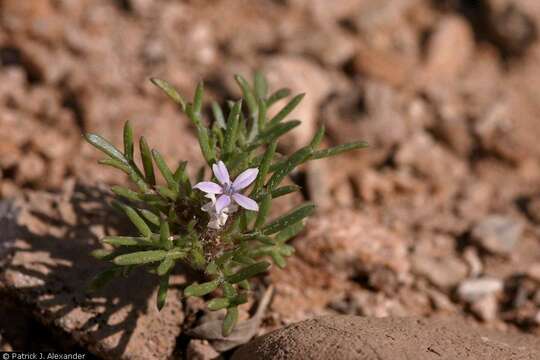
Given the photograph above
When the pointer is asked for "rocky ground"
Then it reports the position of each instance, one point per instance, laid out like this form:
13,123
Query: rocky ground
440,216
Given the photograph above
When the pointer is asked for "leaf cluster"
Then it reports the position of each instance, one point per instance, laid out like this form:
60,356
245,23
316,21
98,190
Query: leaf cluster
171,228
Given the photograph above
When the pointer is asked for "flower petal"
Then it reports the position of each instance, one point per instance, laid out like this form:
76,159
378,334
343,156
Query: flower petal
222,202
209,187
245,202
243,180
221,173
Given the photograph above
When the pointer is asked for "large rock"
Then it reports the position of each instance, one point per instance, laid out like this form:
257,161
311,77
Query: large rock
49,268
363,338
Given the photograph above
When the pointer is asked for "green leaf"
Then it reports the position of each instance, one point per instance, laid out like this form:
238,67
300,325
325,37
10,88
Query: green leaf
166,192
336,150
261,86
136,177
150,216
289,232
247,94
228,290
140,257
128,141
261,116
264,166
165,266
162,291
170,91
239,299
116,164
284,190
135,218
196,289
288,165
231,133
197,257
317,138
286,250
164,232
248,272
105,146
126,193
289,219
176,254
126,241
287,109
204,142
264,208
278,259
218,115
273,132
230,321
198,98
146,157
165,171
102,254
218,304
245,285
278,95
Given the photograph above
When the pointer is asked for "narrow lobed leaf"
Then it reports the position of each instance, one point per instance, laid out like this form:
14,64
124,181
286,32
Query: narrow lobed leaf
164,232
231,133
150,216
128,141
218,115
264,209
317,138
264,166
248,272
278,259
261,86
218,304
126,193
287,109
162,291
231,318
116,164
274,132
146,157
247,94
135,218
278,95
336,150
198,98
105,146
196,289
165,171
140,257
289,232
126,241
289,219
170,91
289,165
165,266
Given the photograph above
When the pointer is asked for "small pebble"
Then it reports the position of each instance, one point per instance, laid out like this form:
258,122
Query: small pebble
498,234
472,290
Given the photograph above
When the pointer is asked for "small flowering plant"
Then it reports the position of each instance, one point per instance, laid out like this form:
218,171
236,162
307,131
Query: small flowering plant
217,227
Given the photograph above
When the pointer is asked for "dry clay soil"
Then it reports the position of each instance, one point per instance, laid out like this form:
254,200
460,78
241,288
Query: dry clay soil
439,217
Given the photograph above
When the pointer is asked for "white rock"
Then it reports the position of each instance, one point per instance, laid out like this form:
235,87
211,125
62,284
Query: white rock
472,290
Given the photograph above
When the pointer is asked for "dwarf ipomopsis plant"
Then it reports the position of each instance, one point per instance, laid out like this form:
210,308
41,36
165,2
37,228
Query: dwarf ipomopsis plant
218,226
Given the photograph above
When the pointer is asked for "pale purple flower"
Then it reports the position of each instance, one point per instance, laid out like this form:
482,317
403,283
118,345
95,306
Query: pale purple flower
229,191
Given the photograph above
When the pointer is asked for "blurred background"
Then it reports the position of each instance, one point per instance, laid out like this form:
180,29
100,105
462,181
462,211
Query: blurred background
445,91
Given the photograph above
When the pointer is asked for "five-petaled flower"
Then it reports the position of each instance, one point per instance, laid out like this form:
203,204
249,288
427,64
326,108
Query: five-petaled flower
229,191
